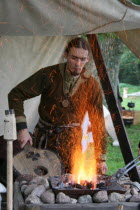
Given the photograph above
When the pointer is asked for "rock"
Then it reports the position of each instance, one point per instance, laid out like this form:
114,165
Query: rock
116,197
44,181
29,189
23,183
127,192
135,198
136,185
73,200
134,191
126,186
62,198
38,191
32,199
100,197
36,180
85,199
23,187
48,197
127,197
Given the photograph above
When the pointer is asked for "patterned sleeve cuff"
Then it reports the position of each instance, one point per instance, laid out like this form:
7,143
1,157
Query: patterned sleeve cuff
20,119
21,125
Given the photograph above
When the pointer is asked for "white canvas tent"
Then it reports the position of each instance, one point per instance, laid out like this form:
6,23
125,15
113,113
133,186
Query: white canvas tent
33,34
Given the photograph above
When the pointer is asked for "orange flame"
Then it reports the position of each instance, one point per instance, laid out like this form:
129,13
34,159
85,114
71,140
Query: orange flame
83,162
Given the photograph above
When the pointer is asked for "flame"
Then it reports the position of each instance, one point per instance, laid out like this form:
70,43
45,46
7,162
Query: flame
83,162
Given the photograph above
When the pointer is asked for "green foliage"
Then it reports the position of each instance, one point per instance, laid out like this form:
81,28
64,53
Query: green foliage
114,155
129,68
107,36
135,2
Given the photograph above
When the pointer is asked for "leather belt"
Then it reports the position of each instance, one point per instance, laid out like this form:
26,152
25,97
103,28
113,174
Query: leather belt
44,124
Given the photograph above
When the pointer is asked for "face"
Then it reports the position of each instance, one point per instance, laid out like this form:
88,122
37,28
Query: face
76,60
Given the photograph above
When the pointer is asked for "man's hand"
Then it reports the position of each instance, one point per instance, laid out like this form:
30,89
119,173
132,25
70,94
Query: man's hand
102,166
23,137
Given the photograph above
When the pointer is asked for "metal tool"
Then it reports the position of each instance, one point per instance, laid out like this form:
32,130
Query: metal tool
122,171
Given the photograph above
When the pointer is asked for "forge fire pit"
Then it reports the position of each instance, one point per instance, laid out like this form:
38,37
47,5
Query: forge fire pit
61,185
74,190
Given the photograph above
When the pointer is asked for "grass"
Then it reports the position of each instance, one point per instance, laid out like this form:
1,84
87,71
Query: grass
131,89
136,100
114,154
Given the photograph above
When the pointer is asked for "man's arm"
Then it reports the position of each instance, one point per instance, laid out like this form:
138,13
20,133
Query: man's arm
29,88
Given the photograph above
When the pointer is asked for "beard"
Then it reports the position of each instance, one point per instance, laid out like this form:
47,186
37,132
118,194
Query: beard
75,73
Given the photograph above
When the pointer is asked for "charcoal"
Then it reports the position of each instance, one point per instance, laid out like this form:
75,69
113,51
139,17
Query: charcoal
102,186
89,185
79,186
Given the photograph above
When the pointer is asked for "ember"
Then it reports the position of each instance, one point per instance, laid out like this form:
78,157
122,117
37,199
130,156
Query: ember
64,182
87,185
66,185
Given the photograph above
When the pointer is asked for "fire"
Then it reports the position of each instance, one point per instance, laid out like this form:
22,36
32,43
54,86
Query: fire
83,162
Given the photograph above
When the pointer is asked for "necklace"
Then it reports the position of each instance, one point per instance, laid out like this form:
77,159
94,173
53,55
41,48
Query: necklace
67,91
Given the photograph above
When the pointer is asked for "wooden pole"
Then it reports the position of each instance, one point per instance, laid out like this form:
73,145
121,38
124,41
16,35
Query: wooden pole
10,135
9,175
112,105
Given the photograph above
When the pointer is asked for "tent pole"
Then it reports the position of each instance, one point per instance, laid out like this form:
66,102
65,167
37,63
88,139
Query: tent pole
10,135
112,105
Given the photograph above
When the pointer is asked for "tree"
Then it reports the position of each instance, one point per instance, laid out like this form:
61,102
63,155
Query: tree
111,47
135,2
129,68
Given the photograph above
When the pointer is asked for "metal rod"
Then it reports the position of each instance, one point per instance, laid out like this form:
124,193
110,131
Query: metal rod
132,162
125,172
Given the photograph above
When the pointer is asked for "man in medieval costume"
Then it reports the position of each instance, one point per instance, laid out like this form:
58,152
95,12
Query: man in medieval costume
67,92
